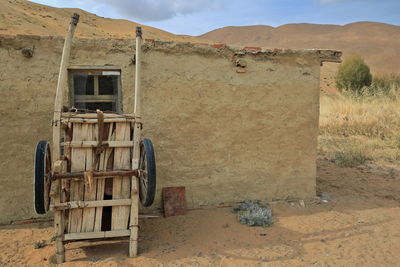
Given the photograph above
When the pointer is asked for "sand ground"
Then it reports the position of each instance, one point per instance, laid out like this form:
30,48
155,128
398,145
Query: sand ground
358,226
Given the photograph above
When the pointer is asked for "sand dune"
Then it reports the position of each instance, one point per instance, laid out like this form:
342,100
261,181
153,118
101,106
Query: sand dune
24,17
378,43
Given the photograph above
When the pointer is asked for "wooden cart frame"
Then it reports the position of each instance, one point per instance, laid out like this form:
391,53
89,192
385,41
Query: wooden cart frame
86,140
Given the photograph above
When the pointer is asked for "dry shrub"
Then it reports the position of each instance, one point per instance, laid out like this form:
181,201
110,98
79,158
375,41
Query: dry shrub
254,213
353,74
353,130
383,85
344,116
351,157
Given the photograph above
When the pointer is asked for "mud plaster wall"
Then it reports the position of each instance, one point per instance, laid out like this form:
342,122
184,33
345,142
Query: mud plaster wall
225,136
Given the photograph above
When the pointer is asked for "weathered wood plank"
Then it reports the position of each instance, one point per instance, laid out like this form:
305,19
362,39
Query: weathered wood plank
134,212
121,185
84,120
94,115
59,167
62,85
78,159
99,98
92,204
90,190
96,174
94,67
92,144
109,133
92,235
59,218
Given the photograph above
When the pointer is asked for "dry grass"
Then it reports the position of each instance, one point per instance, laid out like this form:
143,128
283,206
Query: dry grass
353,131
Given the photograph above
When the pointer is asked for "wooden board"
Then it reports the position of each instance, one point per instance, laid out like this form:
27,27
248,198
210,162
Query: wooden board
93,144
103,163
121,185
93,235
88,215
76,190
91,204
134,216
89,218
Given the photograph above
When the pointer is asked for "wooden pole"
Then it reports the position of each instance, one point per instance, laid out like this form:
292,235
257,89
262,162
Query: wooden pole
133,224
62,85
137,108
95,174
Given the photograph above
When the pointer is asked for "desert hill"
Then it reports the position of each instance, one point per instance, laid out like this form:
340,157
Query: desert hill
377,43
24,17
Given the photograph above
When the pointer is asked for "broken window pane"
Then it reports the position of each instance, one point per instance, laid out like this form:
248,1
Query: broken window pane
96,89
83,84
108,84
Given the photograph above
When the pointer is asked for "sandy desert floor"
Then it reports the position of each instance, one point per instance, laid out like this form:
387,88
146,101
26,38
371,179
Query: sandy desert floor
358,226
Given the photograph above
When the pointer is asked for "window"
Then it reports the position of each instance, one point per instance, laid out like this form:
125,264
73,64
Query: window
95,88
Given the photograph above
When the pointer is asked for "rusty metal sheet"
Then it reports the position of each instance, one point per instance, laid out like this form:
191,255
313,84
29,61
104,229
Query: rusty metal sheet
174,201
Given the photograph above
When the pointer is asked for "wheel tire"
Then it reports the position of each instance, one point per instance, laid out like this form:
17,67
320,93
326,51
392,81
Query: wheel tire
42,179
147,176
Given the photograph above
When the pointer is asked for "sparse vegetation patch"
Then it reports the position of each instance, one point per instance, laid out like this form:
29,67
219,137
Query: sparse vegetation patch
254,213
356,129
350,158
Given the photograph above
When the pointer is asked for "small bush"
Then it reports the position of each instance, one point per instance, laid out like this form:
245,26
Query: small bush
383,85
353,75
350,158
253,213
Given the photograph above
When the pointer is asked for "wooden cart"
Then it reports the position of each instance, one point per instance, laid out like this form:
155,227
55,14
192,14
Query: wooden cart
98,169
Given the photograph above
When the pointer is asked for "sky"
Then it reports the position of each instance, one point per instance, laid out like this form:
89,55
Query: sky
195,17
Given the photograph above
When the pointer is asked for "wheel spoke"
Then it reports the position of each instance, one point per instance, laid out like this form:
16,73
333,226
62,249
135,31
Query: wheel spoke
145,183
48,161
143,192
142,158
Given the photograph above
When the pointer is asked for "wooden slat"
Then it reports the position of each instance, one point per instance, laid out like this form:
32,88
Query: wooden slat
121,185
92,115
96,174
77,164
95,143
99,68
134,218
92,235
92,204
97,98
90,192
84,120
62,85
58,166
59,218
133,224
104,157
94,100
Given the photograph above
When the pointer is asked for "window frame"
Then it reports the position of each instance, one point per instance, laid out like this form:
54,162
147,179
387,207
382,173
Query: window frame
96,71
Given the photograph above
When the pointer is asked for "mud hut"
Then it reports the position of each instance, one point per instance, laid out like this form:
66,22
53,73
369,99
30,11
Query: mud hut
227,123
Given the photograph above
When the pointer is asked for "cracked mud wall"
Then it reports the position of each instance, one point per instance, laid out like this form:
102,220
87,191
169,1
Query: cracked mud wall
225,136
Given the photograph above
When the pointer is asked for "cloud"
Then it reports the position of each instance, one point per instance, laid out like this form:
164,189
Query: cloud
156,10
